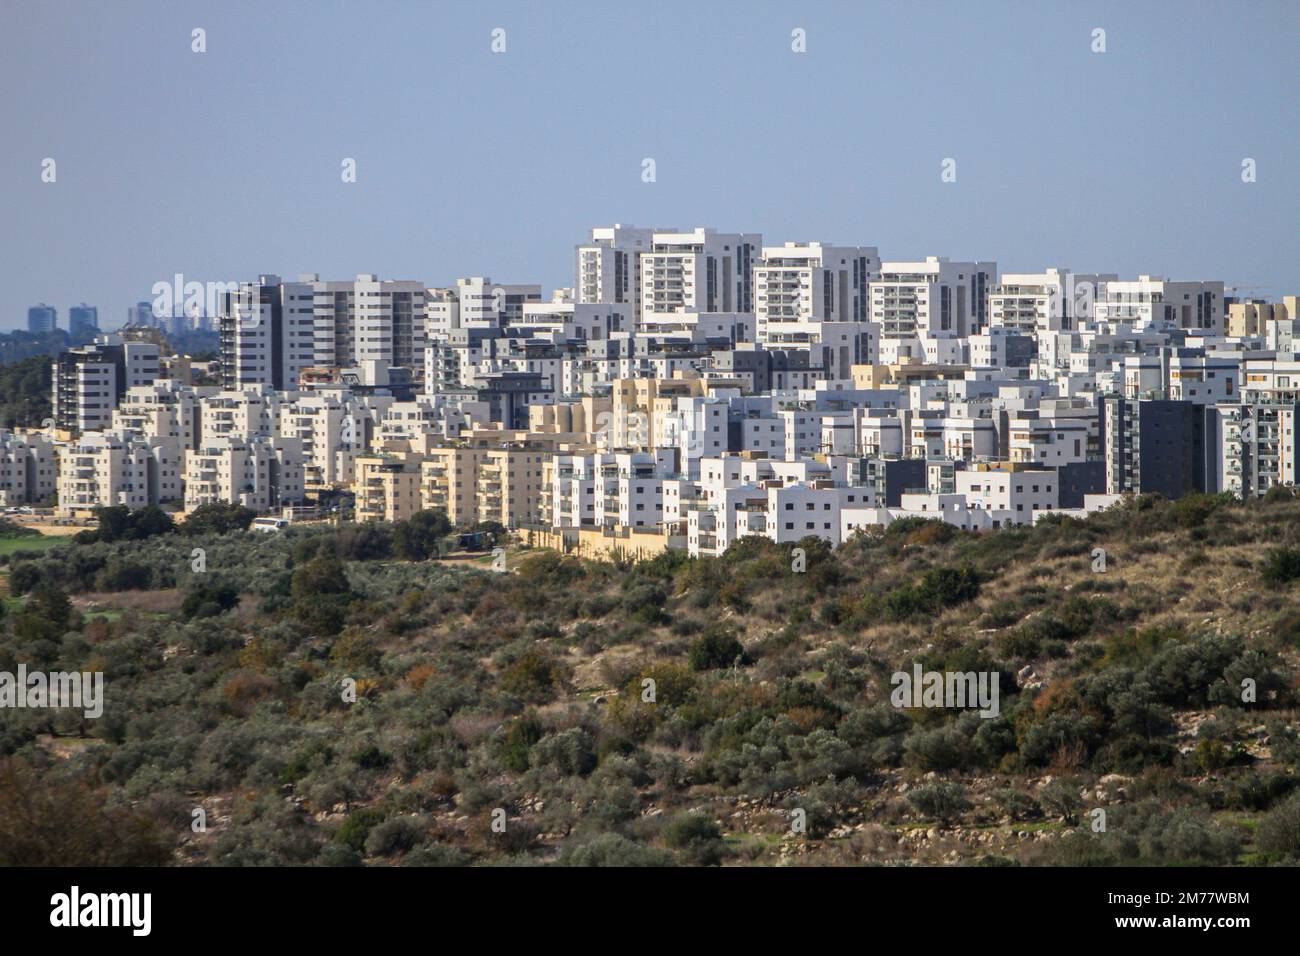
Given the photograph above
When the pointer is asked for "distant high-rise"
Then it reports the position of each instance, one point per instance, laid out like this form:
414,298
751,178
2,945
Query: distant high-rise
83,320
140,314
42,318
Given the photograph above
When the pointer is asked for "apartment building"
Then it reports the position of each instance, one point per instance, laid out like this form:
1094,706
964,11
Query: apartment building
162,409
331,430
29,469
699,271
1153,445
933,296
241,413
89,381
1016,492
1253,446
492,305
1050,301
104,469
963,439
262,473
607,489
268,333
1148,301
800,286
609,267
387,486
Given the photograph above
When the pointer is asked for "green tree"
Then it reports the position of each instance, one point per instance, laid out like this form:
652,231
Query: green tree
218,517
418,537
716,647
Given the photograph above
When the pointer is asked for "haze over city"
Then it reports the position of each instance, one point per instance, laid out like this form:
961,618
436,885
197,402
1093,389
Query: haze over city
225,164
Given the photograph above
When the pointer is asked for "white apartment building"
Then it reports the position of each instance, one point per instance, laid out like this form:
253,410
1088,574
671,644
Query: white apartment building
698,427
1020,494
484,304
326,427
785,510
367,319
1145,302
240,413
963,439
878,435
1048,441
933,296
29,469
262,473
441,311
389,324
566,321
609,267
1050,301
162,409
691,326
268,333
799,286
699,271
105,469
624,489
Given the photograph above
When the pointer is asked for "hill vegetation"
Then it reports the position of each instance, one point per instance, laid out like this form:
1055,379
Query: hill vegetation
339,696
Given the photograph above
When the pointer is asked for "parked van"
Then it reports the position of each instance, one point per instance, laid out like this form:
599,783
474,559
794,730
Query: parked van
270,524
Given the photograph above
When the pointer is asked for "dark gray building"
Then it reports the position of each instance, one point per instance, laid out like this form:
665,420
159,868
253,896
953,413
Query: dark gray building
1153,446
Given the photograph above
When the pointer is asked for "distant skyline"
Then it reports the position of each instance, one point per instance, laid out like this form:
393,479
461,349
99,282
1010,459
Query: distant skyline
226,164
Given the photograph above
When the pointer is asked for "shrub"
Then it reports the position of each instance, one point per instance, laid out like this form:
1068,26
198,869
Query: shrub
396,835
208,599
944,801
533,676
1281,566
124,575
49,820
1279,831
613,849
697,837
717,647
356,827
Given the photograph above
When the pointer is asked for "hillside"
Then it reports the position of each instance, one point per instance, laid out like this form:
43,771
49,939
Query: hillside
508,718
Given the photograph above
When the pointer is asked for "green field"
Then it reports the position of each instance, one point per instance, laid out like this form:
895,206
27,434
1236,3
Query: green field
33,543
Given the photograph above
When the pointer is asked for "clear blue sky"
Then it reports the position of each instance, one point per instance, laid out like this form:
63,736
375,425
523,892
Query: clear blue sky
225,164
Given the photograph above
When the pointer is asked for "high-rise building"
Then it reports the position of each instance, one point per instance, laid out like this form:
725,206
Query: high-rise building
83,320
699,271
90,380
267,333
140,315
1153,445
932,297
42,318
800,286
609,267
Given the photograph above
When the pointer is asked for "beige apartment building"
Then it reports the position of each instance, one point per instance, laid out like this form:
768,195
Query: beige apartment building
486,479
1252,318
387,487
475,483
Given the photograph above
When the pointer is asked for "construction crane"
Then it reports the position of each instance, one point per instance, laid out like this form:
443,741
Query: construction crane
1245,288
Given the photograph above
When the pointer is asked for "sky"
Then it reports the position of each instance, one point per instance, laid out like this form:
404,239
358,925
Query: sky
227,164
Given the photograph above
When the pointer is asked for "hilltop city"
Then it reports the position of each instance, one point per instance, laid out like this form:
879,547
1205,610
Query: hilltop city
691,389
